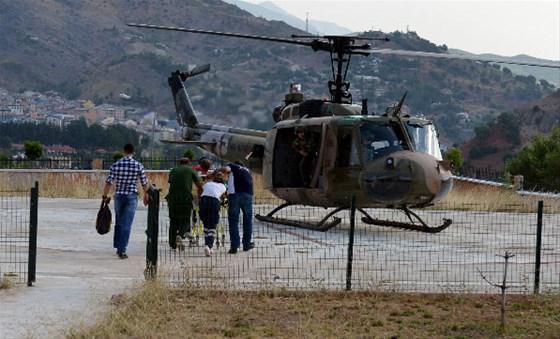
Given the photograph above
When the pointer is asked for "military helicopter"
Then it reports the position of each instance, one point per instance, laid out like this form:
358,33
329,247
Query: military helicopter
323,152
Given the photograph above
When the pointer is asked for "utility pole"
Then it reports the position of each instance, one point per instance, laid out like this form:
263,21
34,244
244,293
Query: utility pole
307,22
153,135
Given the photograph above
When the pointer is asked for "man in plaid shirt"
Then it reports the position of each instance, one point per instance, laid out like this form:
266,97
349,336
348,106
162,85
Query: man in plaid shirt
125,173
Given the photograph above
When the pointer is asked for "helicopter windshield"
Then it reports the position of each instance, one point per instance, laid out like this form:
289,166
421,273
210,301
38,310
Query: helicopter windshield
424,139
379,139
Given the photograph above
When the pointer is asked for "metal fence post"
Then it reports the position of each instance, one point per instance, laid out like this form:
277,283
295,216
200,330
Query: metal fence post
538,248
33,221
152,234
351,244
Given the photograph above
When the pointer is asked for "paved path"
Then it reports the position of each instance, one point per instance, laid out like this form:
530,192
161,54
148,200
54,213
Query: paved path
77,272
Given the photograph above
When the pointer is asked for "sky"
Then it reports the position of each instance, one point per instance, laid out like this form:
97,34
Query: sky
501,27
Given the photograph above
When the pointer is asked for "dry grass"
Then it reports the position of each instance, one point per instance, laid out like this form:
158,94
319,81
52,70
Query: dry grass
89,184
489,198
6,283
85,184
68,184
159,312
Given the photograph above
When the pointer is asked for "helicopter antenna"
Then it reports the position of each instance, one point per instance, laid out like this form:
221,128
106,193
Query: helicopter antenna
398,107
396,113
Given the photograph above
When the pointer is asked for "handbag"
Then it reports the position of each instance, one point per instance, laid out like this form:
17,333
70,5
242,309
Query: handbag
103,222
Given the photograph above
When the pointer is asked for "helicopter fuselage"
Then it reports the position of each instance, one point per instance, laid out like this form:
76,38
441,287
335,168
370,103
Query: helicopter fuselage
384,161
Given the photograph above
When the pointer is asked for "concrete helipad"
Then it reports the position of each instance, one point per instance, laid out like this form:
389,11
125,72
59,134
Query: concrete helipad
77,272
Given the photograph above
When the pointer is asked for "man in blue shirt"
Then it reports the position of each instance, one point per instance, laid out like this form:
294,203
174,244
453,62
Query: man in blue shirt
240,198
125,172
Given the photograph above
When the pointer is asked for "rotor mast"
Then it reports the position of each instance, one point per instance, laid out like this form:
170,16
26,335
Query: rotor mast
338,87
341,49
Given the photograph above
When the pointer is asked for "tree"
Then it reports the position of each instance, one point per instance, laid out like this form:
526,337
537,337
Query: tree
3,161
33,149
117,156
189,153
455,156
539,163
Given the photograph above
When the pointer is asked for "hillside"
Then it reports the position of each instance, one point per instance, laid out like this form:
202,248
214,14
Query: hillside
497,141
85,50
270,11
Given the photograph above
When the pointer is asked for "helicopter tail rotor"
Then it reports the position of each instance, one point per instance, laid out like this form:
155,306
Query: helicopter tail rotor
195,71
183,106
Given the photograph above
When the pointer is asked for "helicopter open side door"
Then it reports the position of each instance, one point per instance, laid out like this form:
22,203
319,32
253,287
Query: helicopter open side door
298,156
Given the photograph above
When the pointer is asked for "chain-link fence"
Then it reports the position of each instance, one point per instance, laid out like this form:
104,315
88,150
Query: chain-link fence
383,258
18,235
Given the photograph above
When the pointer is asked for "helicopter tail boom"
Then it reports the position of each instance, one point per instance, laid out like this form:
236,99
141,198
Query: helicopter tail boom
183,105
228,143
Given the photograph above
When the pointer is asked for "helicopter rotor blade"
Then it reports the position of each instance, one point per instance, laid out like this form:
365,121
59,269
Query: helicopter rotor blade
398,52
199,70
296,36
316,44
235,35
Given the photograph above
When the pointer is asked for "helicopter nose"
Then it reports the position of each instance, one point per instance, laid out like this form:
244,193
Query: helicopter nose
388,180
407,178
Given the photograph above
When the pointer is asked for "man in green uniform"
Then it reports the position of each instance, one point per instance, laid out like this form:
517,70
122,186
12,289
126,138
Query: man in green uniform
179,201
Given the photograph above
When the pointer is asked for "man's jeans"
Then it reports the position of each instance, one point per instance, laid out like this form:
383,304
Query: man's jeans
125,207
243,202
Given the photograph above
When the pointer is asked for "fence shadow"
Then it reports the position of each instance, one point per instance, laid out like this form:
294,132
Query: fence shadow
384,259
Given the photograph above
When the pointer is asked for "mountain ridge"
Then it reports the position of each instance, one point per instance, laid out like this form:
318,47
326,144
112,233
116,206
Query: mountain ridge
270,11
85,50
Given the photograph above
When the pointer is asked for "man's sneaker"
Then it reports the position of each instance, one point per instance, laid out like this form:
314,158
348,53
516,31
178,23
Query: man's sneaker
207,251
232,250
122,255
248,248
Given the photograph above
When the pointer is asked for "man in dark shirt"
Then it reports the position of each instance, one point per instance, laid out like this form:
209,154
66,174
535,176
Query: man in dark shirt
125,172
180,200
302,145
240,198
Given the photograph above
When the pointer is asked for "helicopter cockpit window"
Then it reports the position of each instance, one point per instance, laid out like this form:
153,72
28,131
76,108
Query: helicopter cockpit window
379,139
424,138
347,153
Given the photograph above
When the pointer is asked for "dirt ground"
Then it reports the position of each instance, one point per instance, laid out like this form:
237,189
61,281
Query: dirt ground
160,312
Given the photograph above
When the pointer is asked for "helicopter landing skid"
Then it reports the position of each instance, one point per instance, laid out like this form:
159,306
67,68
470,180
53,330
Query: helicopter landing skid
321,226
422,227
